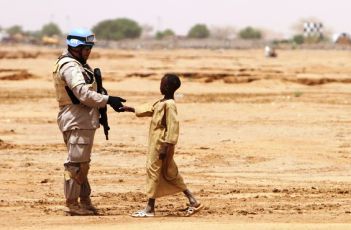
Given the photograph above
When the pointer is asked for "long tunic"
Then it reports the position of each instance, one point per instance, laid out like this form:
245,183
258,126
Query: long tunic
164,128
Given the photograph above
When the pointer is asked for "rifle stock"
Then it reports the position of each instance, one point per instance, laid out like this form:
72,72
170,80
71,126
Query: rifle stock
103,111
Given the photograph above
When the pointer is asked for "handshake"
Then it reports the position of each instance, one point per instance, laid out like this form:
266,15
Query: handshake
116,103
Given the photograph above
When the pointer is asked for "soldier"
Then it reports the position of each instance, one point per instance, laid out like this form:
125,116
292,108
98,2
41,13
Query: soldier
78,116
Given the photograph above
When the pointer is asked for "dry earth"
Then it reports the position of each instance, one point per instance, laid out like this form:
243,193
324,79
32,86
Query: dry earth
265,143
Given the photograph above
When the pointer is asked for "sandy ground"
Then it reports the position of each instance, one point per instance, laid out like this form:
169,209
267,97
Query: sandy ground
264,144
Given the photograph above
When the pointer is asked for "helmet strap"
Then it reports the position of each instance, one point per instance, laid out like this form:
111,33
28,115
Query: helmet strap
77,54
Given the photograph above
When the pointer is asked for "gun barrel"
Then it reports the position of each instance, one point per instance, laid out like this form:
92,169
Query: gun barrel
103,111
98,78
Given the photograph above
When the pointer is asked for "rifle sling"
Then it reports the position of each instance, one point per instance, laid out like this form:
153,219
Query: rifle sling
71,95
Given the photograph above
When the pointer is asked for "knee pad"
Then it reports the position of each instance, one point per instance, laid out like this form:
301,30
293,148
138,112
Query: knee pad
77,172
82,174
71,171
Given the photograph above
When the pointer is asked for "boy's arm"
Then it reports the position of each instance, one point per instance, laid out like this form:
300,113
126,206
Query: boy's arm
164,150
145,110
172,133
128,109
172,123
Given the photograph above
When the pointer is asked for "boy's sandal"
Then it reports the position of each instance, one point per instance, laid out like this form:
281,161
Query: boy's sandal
191,210
142,213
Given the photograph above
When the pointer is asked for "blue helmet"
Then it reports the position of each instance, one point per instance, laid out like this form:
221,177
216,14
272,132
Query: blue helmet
79,37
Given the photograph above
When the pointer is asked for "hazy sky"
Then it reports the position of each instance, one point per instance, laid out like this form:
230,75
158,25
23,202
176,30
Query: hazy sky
180,15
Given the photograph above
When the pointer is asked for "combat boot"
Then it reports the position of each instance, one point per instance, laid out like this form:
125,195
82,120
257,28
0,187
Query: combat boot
85,203
73,209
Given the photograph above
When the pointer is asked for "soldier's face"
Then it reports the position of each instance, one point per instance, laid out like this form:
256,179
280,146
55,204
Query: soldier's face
86,52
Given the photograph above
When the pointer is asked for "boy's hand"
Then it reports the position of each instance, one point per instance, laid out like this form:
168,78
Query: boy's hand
127,109
163,151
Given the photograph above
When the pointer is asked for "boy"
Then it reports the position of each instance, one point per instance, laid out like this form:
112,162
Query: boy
162,172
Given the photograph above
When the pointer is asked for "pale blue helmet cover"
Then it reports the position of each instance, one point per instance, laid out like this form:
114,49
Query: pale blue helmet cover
80,36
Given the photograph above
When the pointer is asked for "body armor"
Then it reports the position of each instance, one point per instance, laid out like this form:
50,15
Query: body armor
63,93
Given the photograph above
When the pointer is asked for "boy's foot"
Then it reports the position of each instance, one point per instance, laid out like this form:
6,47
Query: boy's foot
142,213
191,210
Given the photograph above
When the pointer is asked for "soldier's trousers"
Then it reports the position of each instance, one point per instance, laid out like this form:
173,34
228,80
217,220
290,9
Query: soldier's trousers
79,146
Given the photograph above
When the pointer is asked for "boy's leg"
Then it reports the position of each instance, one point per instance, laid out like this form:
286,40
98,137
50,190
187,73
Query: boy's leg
192,201
194,207
150,207
148,211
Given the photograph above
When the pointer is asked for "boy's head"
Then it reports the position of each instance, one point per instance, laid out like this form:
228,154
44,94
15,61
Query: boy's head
169,84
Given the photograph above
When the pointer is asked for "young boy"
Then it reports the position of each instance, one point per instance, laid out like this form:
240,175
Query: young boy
163,177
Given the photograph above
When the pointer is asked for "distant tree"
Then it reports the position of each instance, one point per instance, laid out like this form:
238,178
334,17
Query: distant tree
117,29
199,31
250,33
164,34
298,39
34,34
50,29
14,30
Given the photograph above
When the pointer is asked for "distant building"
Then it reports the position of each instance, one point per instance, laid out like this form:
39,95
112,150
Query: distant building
313,29
342,39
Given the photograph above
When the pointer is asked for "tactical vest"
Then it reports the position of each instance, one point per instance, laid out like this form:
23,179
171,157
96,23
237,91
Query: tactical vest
60,86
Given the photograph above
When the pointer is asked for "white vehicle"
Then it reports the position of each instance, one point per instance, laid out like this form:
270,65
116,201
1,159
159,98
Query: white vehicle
4,36
269,51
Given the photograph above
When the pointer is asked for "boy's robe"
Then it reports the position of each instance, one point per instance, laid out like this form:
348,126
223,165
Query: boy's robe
164,128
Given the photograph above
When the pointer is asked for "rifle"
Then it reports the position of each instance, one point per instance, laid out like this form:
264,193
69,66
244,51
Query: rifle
103,111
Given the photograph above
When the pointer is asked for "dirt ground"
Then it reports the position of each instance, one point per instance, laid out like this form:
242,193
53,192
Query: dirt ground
264,144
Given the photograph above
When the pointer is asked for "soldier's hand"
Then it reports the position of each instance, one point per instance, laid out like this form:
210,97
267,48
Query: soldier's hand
116,103
104,91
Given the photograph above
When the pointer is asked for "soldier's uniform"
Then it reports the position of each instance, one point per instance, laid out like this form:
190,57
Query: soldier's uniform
78,118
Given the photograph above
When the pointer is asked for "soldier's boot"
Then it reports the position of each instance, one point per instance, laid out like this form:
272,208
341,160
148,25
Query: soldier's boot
87,204
73,209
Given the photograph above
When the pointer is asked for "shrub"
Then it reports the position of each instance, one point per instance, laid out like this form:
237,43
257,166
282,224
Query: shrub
50,29
164,34
250,33
199,31
298,39
14,30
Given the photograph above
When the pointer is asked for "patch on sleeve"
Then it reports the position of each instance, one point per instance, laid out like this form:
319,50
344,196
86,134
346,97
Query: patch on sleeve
77,77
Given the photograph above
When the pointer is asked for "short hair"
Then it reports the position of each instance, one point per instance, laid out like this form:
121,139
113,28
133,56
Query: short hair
173,81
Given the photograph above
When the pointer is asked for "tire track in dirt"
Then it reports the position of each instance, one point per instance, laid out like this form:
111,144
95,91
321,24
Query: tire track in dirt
220,196
9,96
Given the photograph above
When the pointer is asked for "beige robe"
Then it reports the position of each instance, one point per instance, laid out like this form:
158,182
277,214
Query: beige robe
164,128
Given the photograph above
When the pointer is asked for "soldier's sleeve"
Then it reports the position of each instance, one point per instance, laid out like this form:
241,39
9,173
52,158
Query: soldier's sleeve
72,75
89,97
172,123
74,79
145,110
